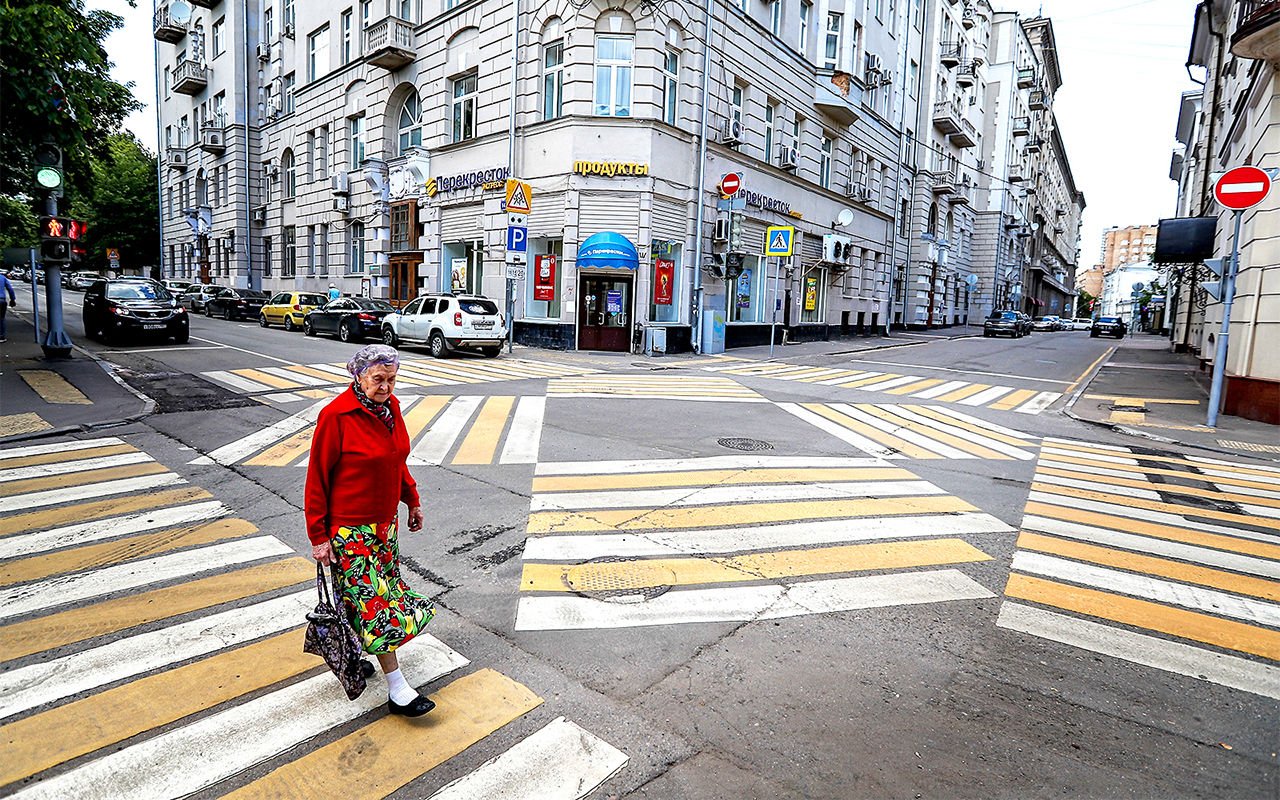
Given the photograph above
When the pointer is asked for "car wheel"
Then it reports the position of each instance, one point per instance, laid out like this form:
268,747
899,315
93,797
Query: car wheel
262,321
491,352
438,347
1093,334
227,315
308,328
347,332
183,338
389,337
208,311
289,324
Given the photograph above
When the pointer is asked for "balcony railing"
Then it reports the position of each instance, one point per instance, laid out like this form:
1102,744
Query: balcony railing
1034,144
389,43
946,116
164,28
1022,126
951,54
968,74
963,194
1038,100
1026,77
190,76
945,180
836,95
213,137
1257,32
176,157
967,136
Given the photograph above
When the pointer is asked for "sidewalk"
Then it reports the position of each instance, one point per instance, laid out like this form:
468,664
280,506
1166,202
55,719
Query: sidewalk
1142,388
40,397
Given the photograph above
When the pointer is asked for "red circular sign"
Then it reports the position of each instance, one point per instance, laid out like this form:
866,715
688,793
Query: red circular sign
1242,187
730,184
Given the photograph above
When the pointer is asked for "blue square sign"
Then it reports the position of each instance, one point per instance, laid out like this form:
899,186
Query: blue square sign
517,239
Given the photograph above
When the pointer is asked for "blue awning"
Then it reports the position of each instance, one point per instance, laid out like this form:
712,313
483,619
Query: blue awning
608,250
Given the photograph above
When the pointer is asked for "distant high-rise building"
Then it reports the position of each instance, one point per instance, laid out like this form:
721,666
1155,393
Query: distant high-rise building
1127,245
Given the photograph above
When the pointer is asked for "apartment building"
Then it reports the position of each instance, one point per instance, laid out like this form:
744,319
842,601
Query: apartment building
1127,245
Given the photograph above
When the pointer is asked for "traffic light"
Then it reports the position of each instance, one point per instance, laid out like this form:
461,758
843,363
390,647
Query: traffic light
76,230
48,164
1214,287
55,240
736,221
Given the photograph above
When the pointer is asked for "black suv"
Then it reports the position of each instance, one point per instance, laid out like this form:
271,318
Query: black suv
236,303
1107,326
115,309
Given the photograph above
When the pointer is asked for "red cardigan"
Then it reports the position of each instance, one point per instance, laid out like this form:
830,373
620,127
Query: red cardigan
357,473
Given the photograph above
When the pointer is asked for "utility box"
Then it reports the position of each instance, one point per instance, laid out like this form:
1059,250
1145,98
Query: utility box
657,344
713,318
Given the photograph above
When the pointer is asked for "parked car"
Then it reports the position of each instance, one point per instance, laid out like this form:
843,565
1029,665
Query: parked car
1081,324
352,318
448,322
1046,323
236,304
289,309
176,287
114,309
1003,323
1107,326
81,281
197,294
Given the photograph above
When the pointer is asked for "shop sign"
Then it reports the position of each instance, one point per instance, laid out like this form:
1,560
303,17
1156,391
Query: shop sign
610,169
458,275
764,202
744,289
810,294
613,302
544,277
492,178
664,275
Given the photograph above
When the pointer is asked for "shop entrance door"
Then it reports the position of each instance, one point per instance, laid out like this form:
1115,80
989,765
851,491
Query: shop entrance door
404,271
604,313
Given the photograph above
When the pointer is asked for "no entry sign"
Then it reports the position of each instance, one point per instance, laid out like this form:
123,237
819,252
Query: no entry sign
730,184
1242,187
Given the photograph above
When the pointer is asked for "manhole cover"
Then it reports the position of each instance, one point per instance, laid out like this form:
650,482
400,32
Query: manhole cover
1139,409
749,445
619,580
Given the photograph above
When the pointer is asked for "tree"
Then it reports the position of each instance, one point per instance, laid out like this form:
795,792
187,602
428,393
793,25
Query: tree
122,209
55,85
17,222
1085,303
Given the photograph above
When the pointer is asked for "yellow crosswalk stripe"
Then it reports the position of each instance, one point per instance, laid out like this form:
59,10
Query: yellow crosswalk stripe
425,372
391,752
918,386
883,377
1013,399
53,388
81,478
638,574
1153,505
286,452
931,433
74,455
926,411
128,549
83,512
963,392
267,378
1238,469
423,412
831,376
710,477
1170,488
303,369
1178,622
481,442
66,627
908,449
634,519
18,424
44,740
1144,470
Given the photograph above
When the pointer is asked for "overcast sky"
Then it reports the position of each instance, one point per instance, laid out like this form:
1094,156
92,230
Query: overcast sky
1122,71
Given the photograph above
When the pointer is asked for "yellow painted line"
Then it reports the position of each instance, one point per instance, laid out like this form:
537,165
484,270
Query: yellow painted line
1171,488
419,417
908,449
72,455
1156,530
417,370
1088,370
389,752
887,376
918,386
1126,417
1239,469
53,388
1154,505
1013,399
844,373
482,440
81,478
315,394
717,477
1178,622
801,374
640,574
45,740
303,369
83,512
114,552
963,392
1157,471
267,378
638,519
926,411
1139,401
282,454
18,424
67,627
938,436
1151,565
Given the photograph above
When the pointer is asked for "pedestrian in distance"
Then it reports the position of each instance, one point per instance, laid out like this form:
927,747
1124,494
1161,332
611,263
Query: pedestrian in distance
7,298
356,479
334,293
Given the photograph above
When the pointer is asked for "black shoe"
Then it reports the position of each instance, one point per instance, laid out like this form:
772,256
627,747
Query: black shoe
366,670
417,708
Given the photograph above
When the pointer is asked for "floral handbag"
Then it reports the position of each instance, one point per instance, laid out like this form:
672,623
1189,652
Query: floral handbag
330,637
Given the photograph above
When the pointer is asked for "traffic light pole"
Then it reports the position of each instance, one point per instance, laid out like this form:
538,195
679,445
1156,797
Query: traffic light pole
56,343
1224,333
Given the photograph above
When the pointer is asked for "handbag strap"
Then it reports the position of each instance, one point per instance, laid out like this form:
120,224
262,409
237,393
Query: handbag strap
322,586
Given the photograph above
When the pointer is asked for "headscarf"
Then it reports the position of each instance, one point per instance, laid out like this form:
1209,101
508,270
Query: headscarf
366,357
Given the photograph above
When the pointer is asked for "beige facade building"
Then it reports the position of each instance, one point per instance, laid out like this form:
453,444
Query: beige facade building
1127,245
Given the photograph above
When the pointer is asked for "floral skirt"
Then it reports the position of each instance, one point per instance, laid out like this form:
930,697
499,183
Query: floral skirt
384,612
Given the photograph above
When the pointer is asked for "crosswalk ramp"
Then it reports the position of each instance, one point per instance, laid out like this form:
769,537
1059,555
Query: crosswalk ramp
654,387
151,647
915,431
1156,558
22,423
453,429
296,382
620,544
967,393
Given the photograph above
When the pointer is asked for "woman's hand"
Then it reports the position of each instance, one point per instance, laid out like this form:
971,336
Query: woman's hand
415,518
323,553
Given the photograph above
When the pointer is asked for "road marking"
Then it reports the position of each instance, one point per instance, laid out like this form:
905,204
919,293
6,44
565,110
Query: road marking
961,394
525,436
986,396
1103,515
941,389
438,441
1015,398
34,486
45,541
1262,499
242,350
481,442
269,379
232,453
1138,503
942,439
963,421
708,495
19,523
722,477
53,388
10,474
87,491
835,424
298,374
234,381
1038,403
915,387
627,467
62,451
655,387
1128,467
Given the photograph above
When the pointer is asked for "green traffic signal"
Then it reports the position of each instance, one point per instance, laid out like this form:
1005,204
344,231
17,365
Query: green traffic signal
49,178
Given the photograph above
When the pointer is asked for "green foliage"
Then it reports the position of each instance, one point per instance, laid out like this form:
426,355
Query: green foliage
122,208
1085,303
55,85
17,222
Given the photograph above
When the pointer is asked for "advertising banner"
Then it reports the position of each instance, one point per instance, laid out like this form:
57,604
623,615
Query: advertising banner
810,294
613,302
458,275
544,277
744,289
664,276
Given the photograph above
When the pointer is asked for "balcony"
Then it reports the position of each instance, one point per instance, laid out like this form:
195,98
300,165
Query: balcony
969,17
1034,144
945,180
951,54
164,28
1026,77
1022,126
963,194
1257,33
389,43
946,116
206,3
190,76
836,95
176,157
968,74
213,138
967,136
1017,173
1038,100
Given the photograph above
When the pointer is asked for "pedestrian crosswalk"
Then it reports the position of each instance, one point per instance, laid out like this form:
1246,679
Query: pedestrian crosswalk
655,387
1160,559
618,544
915,431
1004,398
151,646
461,429
296,382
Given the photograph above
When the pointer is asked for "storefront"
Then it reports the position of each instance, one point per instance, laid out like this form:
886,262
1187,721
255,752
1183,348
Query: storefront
606,264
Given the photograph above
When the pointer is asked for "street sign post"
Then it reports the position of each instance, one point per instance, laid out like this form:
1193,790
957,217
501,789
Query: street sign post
519,197
779,241
730,185
519,201
1242,188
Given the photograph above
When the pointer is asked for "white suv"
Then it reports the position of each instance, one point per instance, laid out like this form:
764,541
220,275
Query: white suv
447,322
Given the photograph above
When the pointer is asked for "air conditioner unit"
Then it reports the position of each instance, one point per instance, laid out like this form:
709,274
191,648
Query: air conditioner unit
288,31
788,157
341,203
259,215
874,63
274,106
340,184
721,231
264,51
858,191
732,132
837,250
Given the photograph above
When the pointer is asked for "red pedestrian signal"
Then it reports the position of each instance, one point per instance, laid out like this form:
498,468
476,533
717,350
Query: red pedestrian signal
53,228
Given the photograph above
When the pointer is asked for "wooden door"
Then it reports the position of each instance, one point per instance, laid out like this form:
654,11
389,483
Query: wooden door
604,313
404,279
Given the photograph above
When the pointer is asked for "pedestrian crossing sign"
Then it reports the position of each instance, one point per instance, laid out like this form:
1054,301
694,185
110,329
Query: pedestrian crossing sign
779,240
519,197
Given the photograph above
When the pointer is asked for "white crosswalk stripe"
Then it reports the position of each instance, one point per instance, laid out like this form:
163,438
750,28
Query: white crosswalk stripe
655,387
900,430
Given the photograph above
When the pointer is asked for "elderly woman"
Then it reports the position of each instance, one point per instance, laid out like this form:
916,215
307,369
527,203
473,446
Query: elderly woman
356,479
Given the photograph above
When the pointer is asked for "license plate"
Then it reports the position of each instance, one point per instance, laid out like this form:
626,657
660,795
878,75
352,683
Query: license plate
153,326
482,324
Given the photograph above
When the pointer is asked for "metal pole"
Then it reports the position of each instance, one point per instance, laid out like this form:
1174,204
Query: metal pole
511,165
1220,353
696,333
773,324
35,300
56,343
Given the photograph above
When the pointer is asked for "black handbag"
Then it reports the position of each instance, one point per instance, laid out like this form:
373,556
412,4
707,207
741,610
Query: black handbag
330,637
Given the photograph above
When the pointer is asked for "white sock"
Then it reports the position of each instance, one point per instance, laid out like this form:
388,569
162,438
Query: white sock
399,689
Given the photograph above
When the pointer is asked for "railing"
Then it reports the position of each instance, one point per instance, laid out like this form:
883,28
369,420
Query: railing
189,69
1026,77
1257,31
389,32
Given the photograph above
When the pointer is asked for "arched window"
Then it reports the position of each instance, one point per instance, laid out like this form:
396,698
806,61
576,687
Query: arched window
410,125
670,75
290,174
932,226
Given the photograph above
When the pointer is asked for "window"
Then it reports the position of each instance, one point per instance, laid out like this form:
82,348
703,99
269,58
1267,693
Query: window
289,267
318,53
266,182
806,11
824,164
286,16
166,83
289,82
219,110
913,79
464,107
322,152
355,248
737,99
356,126
879,9
746,292
553,79
670,86
405,10
290,174
813,293
218,37
549,258
831,51
344,30
366,11
665,282
770,119
614,55
268,27
266,256
410,124
775,17
858,40
312,249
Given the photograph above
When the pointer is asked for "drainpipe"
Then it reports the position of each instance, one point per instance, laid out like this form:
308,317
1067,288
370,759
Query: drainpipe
511,160
161,269
897,174
696,333
249,58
